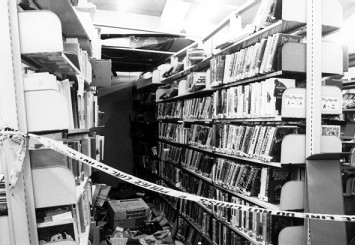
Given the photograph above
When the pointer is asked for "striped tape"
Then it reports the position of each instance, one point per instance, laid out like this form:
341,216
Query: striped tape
63,149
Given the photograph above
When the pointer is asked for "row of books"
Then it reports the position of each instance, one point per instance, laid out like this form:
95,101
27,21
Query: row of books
173,131
220,213
198,108
170,172
198,215
263,182
254,100
168,152
3,202
200,136
254,141
260,58
169,212
262,227
261,142
169,110
197,161
194,185
240,178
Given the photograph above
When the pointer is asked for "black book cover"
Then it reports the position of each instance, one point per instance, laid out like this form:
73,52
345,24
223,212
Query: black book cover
277,178
281,132
255,183
74,99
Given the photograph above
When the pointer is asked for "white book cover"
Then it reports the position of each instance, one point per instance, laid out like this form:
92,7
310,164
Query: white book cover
251,71
252,99
263,99
240,102
65,90
227,65
266,54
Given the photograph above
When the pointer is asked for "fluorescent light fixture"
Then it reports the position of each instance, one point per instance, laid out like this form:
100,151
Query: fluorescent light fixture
124,42
173,15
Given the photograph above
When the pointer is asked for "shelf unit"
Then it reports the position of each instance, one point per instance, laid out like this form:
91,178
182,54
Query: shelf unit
47,186
297,63
71,24
56,63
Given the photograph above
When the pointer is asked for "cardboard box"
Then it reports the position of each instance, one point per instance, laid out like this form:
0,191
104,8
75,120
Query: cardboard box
101,72
127,213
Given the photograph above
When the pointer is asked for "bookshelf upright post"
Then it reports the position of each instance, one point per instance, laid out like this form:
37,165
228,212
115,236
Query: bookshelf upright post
21,219
323,177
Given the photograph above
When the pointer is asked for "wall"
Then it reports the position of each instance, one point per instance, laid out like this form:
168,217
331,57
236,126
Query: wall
117,106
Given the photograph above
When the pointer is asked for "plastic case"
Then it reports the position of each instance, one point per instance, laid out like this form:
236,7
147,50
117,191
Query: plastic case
46,107
38,36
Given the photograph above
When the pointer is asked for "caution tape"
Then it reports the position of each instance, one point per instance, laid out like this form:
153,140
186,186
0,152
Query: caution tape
63,149
21,141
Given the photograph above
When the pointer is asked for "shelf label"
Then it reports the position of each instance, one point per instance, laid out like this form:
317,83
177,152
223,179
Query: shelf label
330,103
295,101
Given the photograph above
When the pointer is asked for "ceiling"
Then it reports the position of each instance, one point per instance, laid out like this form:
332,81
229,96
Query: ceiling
175,16
183,21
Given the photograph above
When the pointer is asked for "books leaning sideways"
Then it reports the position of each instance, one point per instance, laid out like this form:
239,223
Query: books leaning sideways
3,203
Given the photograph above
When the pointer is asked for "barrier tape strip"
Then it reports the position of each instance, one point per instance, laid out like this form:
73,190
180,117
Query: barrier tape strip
22,141
63,149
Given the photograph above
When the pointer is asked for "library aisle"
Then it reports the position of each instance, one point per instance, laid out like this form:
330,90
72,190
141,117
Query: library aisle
177,122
